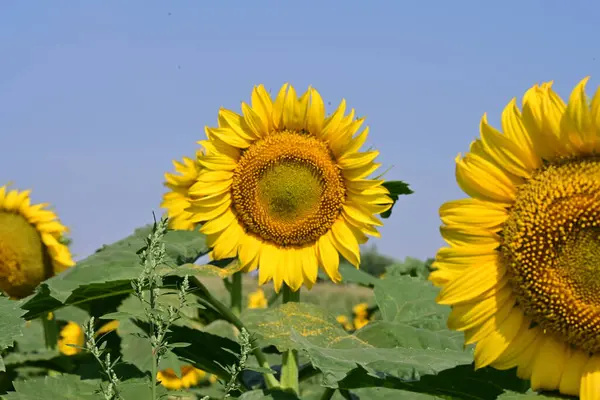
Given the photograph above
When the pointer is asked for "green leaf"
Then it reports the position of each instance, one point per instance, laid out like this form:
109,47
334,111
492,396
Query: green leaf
273,326
402,363
410,266
11,324
64,387
351,274
396,189
109,271
410,301
386,334
268,395
381,393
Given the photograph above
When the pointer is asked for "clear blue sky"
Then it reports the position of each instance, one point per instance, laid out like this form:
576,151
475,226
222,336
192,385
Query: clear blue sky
97,98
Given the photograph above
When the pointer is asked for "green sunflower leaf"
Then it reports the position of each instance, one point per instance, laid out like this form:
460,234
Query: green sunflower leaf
72,387
64,387
11,324
109,271
383,349
396,189
410,301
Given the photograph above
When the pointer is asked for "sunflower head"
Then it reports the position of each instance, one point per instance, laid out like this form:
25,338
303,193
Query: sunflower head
522,269
190,376
31,243
71,334
178,198
287,189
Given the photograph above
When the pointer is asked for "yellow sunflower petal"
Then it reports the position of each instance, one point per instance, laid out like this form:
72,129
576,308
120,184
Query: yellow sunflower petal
481,214
570,381
590,381
549,364
472,283
491,347
328,257
481,179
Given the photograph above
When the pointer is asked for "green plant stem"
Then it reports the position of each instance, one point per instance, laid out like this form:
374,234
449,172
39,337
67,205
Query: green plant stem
236,294
50,330
289,365
273,298
328,394
154,349
207,299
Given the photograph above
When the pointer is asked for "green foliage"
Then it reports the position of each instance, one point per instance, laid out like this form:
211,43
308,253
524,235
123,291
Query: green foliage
167,320
396,189
11,325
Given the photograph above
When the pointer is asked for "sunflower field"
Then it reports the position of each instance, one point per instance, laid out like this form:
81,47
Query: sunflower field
255,283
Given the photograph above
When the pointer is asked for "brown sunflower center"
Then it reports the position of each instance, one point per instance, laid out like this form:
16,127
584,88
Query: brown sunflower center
552,248
287,189
24,261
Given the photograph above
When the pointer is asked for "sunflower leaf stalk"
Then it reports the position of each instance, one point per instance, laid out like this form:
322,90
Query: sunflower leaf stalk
147,290
50,330
208,300
236,293
289,367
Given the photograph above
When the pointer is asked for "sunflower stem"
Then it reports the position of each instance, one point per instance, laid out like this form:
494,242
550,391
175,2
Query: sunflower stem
327,394
50,330
236,294
289,364
207,299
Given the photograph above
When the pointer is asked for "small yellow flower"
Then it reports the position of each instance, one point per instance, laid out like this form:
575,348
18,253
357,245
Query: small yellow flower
73,334
190,376
361,310
343,320
359,322
257,299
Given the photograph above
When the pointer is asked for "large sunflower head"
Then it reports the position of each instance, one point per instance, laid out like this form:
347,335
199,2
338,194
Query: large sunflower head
286,189
522,270
178,198
31,243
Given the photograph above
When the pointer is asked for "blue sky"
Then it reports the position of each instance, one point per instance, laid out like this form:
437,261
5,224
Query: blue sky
97,98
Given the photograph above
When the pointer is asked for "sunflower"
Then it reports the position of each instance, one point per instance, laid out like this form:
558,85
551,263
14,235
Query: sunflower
177,200
361,315
190,376
344,322
257,299
522,270
31,247
71,334
286,189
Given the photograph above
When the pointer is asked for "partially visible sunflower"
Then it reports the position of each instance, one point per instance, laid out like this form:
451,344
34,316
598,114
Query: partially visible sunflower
71,334
108,327
31,243
345,322
190,376
257,299
286,189
522,270
177,200
361,315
